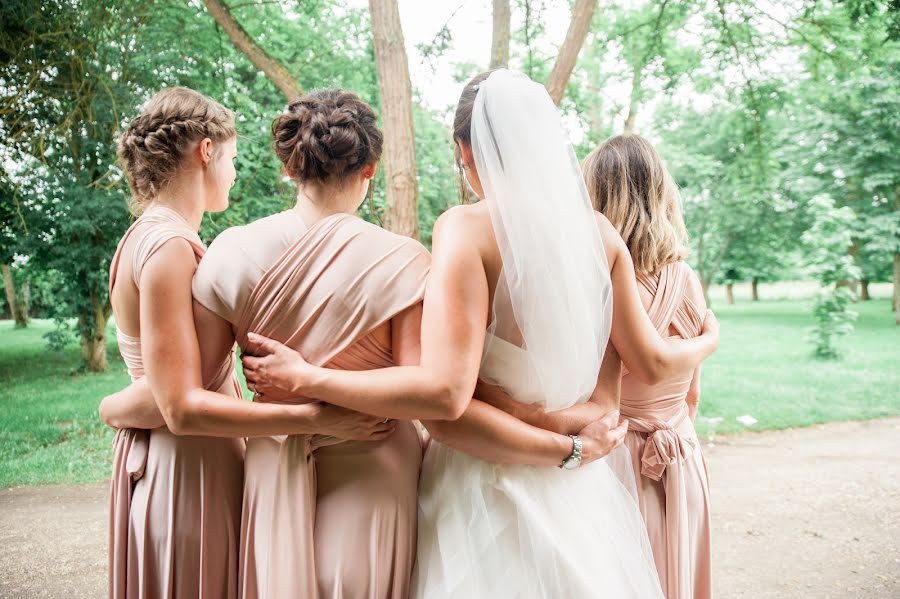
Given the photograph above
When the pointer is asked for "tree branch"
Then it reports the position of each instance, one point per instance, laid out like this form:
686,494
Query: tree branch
272,68
568,52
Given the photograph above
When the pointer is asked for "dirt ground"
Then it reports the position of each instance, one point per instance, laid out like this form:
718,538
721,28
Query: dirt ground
806,513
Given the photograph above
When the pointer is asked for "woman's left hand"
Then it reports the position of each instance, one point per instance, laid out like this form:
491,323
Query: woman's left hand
276,367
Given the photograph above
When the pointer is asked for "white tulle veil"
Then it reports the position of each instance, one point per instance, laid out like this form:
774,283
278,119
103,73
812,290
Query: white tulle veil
554,295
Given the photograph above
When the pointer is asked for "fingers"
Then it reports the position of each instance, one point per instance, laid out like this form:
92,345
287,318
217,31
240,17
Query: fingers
251,362
610,419
383,431
617,434
268,346
253,379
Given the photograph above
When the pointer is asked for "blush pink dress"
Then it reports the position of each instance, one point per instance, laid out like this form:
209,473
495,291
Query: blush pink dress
174,500
322,518
671,475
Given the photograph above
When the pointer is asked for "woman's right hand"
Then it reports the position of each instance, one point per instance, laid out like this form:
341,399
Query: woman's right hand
272,365
600,437
335,421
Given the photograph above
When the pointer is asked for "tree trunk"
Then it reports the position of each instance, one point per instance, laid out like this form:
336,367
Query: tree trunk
396,112
897,288
846,283
754,289
274,70
568,52
93,336
10,287
500,37
704,283
22,304
729,293
864,290
634,102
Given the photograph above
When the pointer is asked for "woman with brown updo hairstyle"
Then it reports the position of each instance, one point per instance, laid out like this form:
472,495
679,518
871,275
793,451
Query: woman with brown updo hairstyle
323,516
175,510
628,182
515,497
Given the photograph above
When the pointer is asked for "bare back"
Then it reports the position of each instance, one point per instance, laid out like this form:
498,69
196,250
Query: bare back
480,233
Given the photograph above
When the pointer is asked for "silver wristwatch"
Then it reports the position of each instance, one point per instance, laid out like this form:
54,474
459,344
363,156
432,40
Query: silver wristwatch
574,460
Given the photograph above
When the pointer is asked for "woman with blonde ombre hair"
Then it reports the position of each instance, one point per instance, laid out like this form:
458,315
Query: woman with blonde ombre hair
628,182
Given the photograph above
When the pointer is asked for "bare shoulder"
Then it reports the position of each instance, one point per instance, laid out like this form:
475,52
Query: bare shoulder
465,224
694,289
612,241
175,253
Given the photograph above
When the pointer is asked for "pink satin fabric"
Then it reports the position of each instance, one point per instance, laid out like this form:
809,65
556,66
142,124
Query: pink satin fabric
671,475
174,501
321,518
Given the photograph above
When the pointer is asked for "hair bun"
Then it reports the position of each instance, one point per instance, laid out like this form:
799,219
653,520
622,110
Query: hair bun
327,135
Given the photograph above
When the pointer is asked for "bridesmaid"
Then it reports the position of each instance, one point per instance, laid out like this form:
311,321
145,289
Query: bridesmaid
321,517
628,182
175,500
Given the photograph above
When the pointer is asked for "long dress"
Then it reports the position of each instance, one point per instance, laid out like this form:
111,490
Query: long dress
321,518
174,500
525,532
672,483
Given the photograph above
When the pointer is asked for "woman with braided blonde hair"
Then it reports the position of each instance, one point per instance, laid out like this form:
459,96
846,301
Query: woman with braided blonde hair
176,493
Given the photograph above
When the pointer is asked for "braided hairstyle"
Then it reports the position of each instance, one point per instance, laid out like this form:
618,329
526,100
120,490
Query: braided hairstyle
327,135
152,147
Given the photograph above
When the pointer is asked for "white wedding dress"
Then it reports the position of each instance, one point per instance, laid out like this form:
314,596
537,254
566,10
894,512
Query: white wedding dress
524,532
488,530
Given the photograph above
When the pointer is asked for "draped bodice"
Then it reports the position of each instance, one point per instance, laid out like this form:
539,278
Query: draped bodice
156,226
670,308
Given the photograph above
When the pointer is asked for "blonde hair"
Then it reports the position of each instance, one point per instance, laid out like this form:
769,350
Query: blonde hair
629,184
152,147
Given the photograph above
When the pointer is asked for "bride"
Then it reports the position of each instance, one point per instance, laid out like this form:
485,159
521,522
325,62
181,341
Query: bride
520,296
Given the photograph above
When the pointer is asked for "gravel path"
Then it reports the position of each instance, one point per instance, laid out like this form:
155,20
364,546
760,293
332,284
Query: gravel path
803,513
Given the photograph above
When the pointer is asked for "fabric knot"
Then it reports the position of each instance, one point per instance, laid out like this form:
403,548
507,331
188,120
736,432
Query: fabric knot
664,447
138,449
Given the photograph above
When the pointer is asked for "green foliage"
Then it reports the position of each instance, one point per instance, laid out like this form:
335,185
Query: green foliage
826,242
834,318
60,121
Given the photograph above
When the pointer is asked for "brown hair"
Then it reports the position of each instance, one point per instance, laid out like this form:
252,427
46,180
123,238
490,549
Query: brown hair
152,147
629,183
327,135
462,127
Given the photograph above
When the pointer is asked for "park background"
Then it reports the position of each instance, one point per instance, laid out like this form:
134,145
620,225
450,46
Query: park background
780,121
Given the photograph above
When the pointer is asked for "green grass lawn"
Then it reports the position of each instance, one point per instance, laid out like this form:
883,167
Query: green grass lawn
50,433
49,429
764,368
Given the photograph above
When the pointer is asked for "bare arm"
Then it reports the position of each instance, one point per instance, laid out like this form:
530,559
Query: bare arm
645,353
491,434
694,293
488,433
570,421
693,395
132,407
453,327
171,356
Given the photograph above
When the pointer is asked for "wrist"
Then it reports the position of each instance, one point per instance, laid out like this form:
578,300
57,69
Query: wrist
590,450
301,379
574,459
307,416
